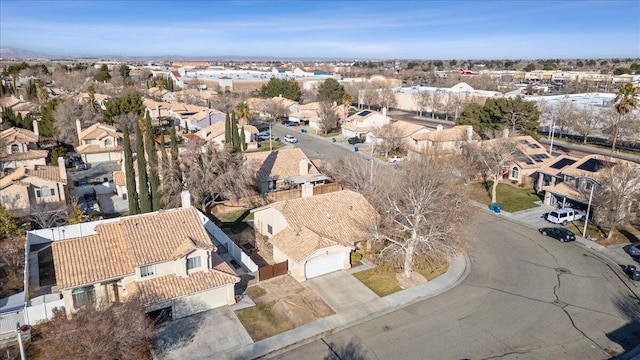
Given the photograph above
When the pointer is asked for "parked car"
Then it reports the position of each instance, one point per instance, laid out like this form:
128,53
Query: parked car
634,250
559,233
356,140
563,216
290,139
265,136
396,158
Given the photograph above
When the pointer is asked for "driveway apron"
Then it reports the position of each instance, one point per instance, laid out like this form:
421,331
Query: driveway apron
341,290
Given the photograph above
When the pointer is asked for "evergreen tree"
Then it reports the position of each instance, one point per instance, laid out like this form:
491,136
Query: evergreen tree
143,184
242,140
174,154
154,179
132,193
163,153
227,130
235,137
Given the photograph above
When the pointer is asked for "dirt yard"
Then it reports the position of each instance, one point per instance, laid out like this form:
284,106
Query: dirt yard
281,304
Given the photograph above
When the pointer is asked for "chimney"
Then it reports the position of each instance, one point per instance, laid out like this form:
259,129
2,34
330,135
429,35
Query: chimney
469,133
384,111
304,167
35,128
505,133
62,168
79,130
307,189
185,196
439,127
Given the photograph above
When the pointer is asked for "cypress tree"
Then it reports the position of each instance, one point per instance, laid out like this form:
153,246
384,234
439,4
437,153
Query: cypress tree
132,193
164,150
154,179
235,137
227,130
243,144
143,185
174,155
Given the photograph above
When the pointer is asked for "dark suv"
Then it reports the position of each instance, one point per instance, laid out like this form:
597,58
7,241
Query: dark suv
356,140
559,233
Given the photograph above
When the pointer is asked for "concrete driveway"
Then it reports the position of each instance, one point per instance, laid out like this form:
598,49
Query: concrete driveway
341,290
202,336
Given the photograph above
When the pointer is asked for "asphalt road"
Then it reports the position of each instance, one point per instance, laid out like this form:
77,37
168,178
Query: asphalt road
526,297
314,147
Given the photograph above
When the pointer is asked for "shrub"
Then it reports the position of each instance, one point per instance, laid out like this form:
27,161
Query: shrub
355,257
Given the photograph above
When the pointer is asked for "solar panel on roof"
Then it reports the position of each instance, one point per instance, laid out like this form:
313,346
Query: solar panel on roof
364,113
524,142
592,165
562,163
544,156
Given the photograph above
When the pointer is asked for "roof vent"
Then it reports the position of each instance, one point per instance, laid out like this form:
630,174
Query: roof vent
328,216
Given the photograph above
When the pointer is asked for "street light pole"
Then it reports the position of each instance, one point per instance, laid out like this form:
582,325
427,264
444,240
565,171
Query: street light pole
586,218
270,137
371,172
23,356
553,131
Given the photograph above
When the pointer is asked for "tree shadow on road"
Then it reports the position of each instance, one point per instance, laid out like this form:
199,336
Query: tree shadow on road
350,351
628,335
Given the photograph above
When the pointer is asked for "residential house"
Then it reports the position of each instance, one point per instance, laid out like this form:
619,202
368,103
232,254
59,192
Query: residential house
34,184
99,143
528,159
161,94
551,173
158,110
215,134
364,122
316,234
20,148
440,140
283,169
18,105
401,130
204,118
182,112
99,99
165,259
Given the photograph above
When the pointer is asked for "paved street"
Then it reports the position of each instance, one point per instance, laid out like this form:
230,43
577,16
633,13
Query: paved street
314,147
526,297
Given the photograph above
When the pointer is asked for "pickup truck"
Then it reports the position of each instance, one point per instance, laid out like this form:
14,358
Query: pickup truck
563,216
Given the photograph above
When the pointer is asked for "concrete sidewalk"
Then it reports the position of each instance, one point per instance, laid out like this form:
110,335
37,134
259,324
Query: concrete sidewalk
348,316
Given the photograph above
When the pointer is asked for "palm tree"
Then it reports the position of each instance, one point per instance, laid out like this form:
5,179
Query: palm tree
347,100
242,112
625,102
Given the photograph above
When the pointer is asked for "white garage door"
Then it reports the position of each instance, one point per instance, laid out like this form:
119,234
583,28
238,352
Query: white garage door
323,265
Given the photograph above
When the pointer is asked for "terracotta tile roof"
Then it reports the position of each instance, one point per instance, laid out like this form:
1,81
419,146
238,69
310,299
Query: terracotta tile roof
170,286
18,135
119,247
566,190
212,131
405,128
28,155
250,128
119,178
95,149
342,216
23,173
98,131
278,164
299,245
456,133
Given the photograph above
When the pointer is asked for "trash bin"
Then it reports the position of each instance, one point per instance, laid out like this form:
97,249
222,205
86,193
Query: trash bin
497,208
491,206
635,276
355,148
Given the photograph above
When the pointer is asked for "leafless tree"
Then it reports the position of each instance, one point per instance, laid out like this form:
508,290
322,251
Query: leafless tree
617,126
563,114
170,181
618,192
225,101
273,109
423,208
423,100
213,176
588,121
328,116
391,139
386,97
490,158
120,331
352,172
127,120
309,96
45,215
369,95
66,114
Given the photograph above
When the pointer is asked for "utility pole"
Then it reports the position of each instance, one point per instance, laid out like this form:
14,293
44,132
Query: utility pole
372,159
23,356
270,138
586,218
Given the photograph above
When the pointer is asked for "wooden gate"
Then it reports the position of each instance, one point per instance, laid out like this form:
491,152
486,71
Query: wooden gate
270,271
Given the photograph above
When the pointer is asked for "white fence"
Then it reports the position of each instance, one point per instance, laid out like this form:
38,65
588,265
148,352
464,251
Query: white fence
41,308
233,249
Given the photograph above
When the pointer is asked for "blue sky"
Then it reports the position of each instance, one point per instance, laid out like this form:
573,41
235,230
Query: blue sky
328,29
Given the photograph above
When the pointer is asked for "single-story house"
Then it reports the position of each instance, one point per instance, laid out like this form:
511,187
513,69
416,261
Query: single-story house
215,134
440,140
363,122
316,234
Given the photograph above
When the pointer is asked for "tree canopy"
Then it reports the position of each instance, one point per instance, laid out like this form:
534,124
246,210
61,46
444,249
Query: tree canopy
103,74
331,90
287,88
520,117
130,103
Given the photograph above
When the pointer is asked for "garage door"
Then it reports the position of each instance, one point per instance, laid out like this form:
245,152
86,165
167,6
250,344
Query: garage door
323,265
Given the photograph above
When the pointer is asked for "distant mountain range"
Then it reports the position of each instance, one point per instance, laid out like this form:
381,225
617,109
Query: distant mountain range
10,53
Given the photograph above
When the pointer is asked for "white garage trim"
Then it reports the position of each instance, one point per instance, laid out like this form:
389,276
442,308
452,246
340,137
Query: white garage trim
324,264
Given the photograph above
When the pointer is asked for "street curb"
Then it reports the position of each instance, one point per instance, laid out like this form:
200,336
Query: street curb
331,324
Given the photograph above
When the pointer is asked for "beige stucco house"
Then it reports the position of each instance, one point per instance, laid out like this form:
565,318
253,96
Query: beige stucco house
35,184
20,148
165,259
215,134
316,234
440,140
363,122
99,143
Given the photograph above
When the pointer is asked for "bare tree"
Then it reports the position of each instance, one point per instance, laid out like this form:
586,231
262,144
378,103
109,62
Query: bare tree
490,158
617,125
386,97
587,122
391,139
352,172
328,116
45,215
171,185
617,193
423,208
66,114
423,100
563,114
273,109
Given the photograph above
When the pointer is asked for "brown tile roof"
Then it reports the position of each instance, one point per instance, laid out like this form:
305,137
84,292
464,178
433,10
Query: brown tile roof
212,131
119,178
18,135
170,286
299,245
95,149
590,165
456,133
27,155
23,173
566,190
119,247
98,131
278,164
342,216
405,128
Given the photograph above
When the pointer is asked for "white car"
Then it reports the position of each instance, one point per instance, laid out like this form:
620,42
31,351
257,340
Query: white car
396,158
290,138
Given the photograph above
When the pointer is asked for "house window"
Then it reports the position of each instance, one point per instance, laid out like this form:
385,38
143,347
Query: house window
193,263
17,197
84,296
5,199
272,185
588,185
515,174
146,270
270,229
15,148
45,191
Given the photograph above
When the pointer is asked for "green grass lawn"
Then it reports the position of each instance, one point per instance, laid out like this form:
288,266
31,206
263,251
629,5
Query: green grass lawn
381,281
511,198
331,134
264,146
234,216
261,322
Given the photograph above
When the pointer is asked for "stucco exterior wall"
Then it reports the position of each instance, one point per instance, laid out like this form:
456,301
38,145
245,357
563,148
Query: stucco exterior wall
269,216
203,301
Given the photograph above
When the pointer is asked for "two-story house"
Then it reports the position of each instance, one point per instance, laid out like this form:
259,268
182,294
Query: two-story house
204,118
34,184
19,147
363,122
164,259
99,143
316,234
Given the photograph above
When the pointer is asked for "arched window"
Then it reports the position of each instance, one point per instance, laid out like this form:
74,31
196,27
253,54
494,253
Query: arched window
515,173
108,142
45,191
15,148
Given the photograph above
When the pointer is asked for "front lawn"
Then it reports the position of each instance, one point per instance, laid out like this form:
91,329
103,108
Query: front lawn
432,270
511,198
381,281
